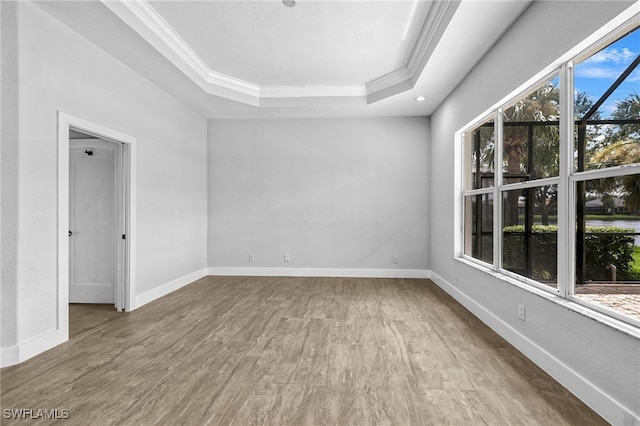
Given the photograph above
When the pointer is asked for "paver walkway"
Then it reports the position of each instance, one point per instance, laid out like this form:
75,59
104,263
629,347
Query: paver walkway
623,298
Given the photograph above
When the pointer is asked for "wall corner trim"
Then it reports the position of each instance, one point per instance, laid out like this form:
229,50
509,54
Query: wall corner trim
320,272
603,404
171,286
16,354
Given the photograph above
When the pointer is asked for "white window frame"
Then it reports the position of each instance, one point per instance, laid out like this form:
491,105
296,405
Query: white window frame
480,191
566,181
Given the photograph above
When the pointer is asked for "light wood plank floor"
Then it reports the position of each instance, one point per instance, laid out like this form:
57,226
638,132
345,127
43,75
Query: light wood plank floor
84,317
292,351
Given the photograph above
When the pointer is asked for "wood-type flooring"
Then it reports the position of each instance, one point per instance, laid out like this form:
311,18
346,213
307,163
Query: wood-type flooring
289,351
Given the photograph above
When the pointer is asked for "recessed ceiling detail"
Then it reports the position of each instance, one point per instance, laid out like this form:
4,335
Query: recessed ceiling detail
429,22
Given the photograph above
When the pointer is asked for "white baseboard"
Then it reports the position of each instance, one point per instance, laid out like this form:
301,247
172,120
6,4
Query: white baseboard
603,404
320,272
9,356
164,289
16,354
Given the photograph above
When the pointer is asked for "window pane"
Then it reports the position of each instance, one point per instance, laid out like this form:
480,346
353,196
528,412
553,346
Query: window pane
479,145
531,135
530,242
607,106
608,233
478,238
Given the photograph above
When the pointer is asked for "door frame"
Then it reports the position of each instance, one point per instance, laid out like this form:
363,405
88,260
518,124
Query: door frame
127,189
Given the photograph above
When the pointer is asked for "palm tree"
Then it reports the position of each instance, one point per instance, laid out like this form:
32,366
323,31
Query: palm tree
540,106
627,109
533,118
618,153
619,146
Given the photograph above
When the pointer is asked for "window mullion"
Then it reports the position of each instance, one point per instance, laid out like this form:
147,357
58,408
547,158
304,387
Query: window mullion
566,192
497,195
615,171
530,184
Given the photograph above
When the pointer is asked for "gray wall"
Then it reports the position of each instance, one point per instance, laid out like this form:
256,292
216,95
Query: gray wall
607,359
8,172
60,70
333,193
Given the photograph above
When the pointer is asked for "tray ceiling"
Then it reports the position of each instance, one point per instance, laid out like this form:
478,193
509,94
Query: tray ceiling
312,44
260,59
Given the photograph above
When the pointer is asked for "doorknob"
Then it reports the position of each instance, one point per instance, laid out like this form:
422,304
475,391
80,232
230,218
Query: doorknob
70,233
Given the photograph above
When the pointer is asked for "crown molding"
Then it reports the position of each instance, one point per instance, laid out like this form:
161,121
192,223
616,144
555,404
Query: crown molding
405,78
151,26
391,84
436,23
156,23
312,91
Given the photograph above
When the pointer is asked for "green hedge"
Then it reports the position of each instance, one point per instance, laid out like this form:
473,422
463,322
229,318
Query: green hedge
543,251
604,246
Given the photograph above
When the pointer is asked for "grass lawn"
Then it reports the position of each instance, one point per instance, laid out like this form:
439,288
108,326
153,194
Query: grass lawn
635,263
612,217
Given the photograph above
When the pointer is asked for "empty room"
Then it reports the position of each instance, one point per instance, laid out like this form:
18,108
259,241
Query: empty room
316,212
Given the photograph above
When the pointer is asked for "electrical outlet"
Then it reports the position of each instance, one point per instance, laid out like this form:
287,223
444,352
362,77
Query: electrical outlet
287,257
396,258
252,257
521,311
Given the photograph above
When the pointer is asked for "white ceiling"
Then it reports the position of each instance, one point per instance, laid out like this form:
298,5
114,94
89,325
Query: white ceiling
321,58
315,43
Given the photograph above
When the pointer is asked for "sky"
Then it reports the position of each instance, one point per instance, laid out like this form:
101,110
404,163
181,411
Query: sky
597,73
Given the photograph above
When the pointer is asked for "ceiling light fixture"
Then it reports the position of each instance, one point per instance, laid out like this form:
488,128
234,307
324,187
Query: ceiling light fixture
420,98
289,3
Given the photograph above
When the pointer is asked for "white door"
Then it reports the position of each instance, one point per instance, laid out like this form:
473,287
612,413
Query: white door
92,222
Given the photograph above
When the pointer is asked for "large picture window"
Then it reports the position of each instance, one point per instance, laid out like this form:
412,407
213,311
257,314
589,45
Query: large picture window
573,230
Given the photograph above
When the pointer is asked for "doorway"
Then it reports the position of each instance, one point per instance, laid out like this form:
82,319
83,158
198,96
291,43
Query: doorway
96,212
